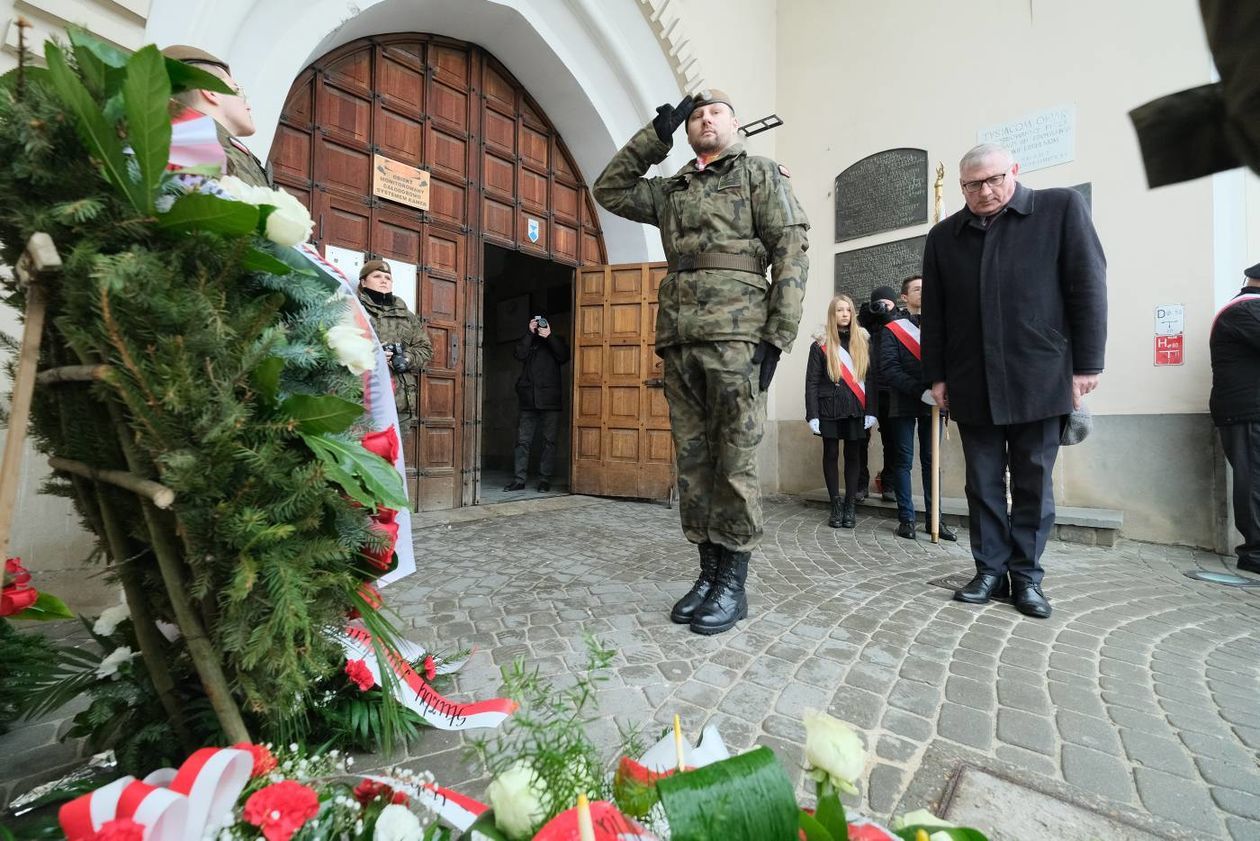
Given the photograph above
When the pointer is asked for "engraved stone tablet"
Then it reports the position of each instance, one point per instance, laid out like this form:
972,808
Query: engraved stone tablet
882,192
859,271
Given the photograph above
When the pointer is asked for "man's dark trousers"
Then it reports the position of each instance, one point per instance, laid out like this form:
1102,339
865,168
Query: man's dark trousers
1013,542
897,474
525,428
1241,442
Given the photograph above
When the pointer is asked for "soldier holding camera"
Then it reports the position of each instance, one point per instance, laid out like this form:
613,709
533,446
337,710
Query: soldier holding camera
403,337
538,389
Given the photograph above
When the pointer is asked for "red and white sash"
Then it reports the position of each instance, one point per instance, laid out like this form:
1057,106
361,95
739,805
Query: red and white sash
907,332
846,373
1238,299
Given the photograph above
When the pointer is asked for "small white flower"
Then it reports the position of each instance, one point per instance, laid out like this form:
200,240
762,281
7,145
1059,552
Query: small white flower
396,823
109,666
353,348
109,619
516,796
835,750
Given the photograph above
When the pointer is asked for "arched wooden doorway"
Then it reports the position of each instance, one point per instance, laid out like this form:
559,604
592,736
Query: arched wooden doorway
499,173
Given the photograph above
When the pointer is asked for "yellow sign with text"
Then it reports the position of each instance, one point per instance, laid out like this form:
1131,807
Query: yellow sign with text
396,181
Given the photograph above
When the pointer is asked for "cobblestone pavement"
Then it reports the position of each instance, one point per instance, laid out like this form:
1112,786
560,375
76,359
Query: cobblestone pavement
1139,697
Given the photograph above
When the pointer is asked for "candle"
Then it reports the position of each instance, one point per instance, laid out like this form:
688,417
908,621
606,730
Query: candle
678,742
586,829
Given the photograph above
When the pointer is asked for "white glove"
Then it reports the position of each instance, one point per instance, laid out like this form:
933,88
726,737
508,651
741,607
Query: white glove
870,421
813,426
928,398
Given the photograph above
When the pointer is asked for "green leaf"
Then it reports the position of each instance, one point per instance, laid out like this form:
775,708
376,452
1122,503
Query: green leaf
33,75
326,413
188,77
146,96
365,477
260,261
745,798
486,826
815,831
830,811
294,259
108,54
203,212
45,608
92,69
267,378
97,134
957,833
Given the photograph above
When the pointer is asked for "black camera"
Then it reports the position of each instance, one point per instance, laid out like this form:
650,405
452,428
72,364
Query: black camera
400,361
542,322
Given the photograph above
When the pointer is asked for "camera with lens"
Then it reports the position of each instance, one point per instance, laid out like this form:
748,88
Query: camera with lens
542,322
400,361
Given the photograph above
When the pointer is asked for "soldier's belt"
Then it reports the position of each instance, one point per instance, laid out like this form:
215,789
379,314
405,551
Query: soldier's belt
719,260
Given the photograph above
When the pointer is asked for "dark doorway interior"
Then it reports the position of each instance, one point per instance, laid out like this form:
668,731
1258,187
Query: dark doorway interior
517,288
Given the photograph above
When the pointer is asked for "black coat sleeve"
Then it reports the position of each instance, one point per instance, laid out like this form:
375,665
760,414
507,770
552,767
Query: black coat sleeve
813,370
932,331
1083,275
558,349
521,351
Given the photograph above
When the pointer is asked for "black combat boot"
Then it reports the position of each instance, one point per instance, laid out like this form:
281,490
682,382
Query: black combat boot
685,608
837,512
727,602
849,515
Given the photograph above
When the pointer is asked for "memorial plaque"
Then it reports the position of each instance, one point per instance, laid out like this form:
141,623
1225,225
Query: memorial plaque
859,271
882,192
1038,140
396,181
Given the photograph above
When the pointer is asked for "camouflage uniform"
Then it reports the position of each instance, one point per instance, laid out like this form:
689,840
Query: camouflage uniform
710,320
241,162
396,323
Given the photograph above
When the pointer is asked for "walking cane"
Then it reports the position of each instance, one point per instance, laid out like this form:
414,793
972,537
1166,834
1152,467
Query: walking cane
934,513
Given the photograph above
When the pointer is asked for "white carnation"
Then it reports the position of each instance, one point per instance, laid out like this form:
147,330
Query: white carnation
396,823
353,348
109,619
832,748
109,666
516,796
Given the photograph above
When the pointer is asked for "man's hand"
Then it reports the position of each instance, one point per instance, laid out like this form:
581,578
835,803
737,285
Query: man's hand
940,396
767,357
533,325
544,331
1082,384
669,118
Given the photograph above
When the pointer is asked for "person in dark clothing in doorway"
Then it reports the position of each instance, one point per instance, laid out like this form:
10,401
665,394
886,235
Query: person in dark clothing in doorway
538,391
873,317
909,403
1235,406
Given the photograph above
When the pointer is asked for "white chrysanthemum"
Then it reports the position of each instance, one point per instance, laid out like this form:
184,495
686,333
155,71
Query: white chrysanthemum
832,748
353,348
516,796
109,666
396,823
109,619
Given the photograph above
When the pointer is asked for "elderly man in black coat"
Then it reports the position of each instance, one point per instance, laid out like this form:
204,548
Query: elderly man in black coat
1014,328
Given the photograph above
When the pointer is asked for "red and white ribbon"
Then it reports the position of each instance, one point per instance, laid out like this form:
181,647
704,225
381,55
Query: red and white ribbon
907,332
456,809
412,692
171,805
846,373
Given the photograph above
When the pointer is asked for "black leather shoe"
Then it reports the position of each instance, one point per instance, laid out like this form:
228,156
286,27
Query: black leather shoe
980,588
946,533
514,486
544,486
837,512
848,515
906,530
1248,565
860,495
685,608
727,602
888,496
1030,601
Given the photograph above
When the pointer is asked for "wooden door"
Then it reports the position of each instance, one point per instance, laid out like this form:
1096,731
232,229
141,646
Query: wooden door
621,435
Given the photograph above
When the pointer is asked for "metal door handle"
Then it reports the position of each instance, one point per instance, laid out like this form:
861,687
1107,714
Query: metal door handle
654,382
454,352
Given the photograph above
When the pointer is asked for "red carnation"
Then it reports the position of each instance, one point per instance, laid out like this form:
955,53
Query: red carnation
264,761
17,594
368,790
430,668
383,443
281,809
360,674
119,829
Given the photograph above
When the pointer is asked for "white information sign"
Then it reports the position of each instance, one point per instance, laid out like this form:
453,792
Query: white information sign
1038,140
404,282
1170,319
345,259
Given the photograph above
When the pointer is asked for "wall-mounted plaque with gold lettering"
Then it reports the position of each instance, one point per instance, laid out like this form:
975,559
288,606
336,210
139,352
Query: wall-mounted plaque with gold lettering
396,181
882,192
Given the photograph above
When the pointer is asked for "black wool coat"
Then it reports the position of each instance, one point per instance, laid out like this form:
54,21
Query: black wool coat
539,386
902,374
1011,313
827,400
1235,346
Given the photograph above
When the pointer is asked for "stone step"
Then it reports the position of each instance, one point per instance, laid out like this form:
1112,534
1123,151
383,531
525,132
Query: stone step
1090,526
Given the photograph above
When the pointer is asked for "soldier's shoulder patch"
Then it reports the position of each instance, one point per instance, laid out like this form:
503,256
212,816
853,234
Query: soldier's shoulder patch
784,171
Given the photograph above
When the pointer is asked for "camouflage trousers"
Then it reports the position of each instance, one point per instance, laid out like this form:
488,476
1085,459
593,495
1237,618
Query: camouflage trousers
717,415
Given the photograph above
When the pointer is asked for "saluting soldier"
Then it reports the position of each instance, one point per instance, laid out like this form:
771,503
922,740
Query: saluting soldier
725,217
402,334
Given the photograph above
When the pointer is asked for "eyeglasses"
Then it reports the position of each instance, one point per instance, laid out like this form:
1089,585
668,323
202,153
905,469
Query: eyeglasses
993,181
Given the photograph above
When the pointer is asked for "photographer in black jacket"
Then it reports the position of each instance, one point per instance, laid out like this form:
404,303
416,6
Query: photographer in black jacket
539,391
873,317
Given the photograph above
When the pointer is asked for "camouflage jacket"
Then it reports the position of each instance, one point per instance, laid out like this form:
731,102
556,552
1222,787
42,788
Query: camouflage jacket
396,323
241,162
738,204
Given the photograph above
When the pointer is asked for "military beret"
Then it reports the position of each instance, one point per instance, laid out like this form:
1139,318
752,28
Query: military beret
1253,272
193,55
374,266
709,96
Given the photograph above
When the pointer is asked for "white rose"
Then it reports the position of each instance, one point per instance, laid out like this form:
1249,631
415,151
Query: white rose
109,666
396,823
516,796
833,749
353,348
290,223
108,621
922,817
242,192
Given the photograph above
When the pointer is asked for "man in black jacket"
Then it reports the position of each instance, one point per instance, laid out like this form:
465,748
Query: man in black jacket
873,317
538,390
1235,407
1014,329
